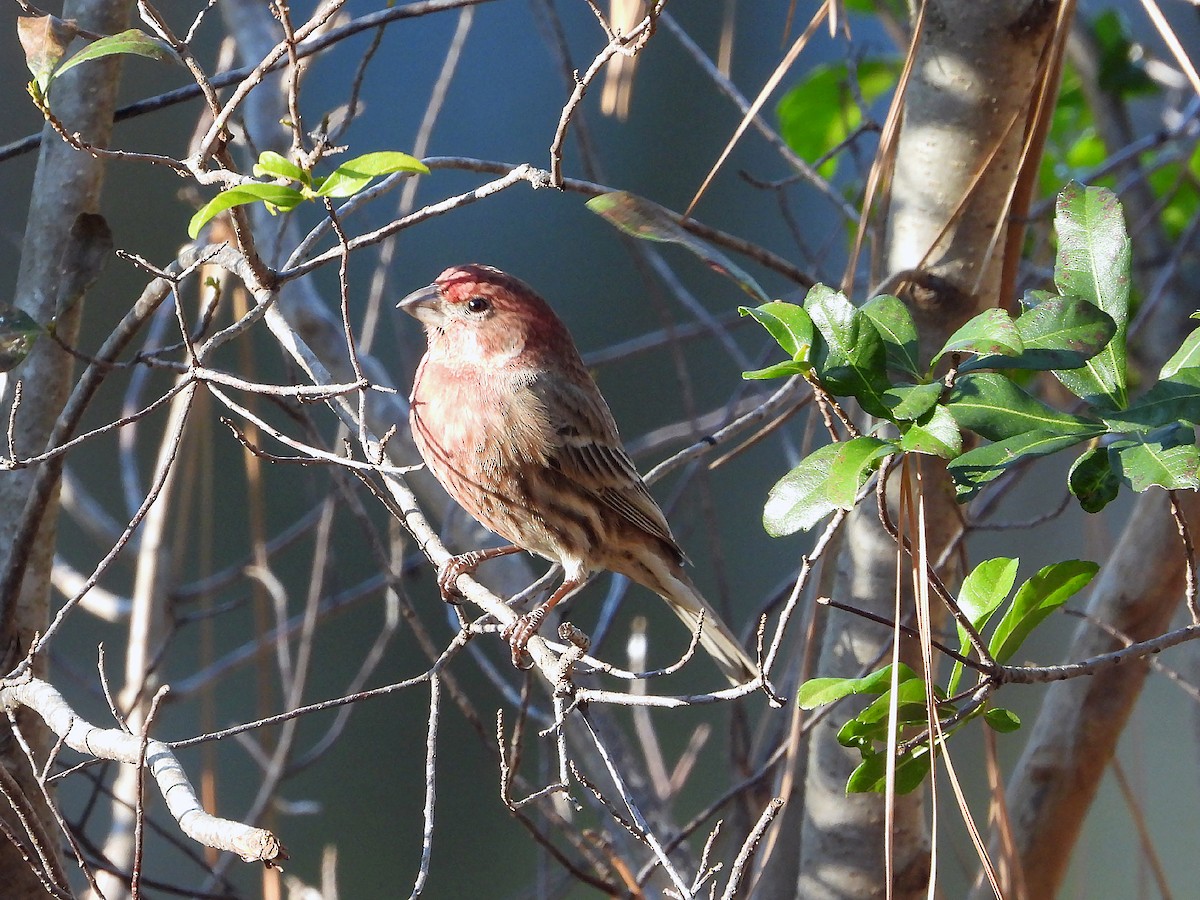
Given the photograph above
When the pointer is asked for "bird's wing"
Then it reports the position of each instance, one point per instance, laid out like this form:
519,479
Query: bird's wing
587,449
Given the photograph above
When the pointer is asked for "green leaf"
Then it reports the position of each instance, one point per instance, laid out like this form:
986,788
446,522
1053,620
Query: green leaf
639,217
1037,598
822,111
991,332
1093,263
977,467
984,589
273,165
1093,481
909,402
1170,400
133,41
18,331
788,323
894,322
355,174
274,194
871,774
1122,63
1058,333
848,353
1173,184
1186,357
819,691
872,723
981,594
936,435
1002,720
994,407
1167,457
826,480
778,370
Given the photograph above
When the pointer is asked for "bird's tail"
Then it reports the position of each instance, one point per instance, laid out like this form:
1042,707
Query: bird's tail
716,638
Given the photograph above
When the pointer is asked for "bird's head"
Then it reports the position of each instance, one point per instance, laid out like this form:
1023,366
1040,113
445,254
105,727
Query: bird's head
478,313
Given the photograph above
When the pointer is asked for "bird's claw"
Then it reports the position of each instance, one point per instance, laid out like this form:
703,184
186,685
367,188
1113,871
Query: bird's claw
518,634
448,573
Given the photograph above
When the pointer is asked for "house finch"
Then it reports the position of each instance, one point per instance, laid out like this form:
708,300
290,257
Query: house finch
508,419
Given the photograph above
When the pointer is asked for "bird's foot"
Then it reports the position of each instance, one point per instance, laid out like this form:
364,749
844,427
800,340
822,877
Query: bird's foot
465,564
448,572
518,634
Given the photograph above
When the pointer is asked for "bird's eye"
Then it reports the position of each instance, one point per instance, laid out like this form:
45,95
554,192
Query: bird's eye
478,305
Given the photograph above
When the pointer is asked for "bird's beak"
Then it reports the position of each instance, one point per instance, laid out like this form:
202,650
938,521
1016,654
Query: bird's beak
424,304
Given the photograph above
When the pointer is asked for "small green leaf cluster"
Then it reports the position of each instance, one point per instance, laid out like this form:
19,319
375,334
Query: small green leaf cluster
984,591
345,181
871,354
1076,332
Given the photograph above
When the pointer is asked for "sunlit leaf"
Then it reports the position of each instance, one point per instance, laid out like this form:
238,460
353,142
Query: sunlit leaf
935,434
133,41
1057,333
355,174
848,352
978,467
1002,720
990,332
784,369
275,194
274,165
1170,400
1186,357
822,111
1093,262
994,407
827,479
983,590
871,774
872,723
1166,457
1036,599
788,323
908,402
649,221
894,322
819,691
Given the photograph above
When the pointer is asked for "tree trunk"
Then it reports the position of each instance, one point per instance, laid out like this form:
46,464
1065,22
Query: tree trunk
975,76
68,183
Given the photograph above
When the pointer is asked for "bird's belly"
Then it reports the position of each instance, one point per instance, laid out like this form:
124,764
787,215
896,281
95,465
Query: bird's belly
483,474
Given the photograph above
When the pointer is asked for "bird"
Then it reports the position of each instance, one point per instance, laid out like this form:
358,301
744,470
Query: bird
508,419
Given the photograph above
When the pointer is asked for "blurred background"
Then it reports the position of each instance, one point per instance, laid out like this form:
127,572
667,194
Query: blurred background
363,795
